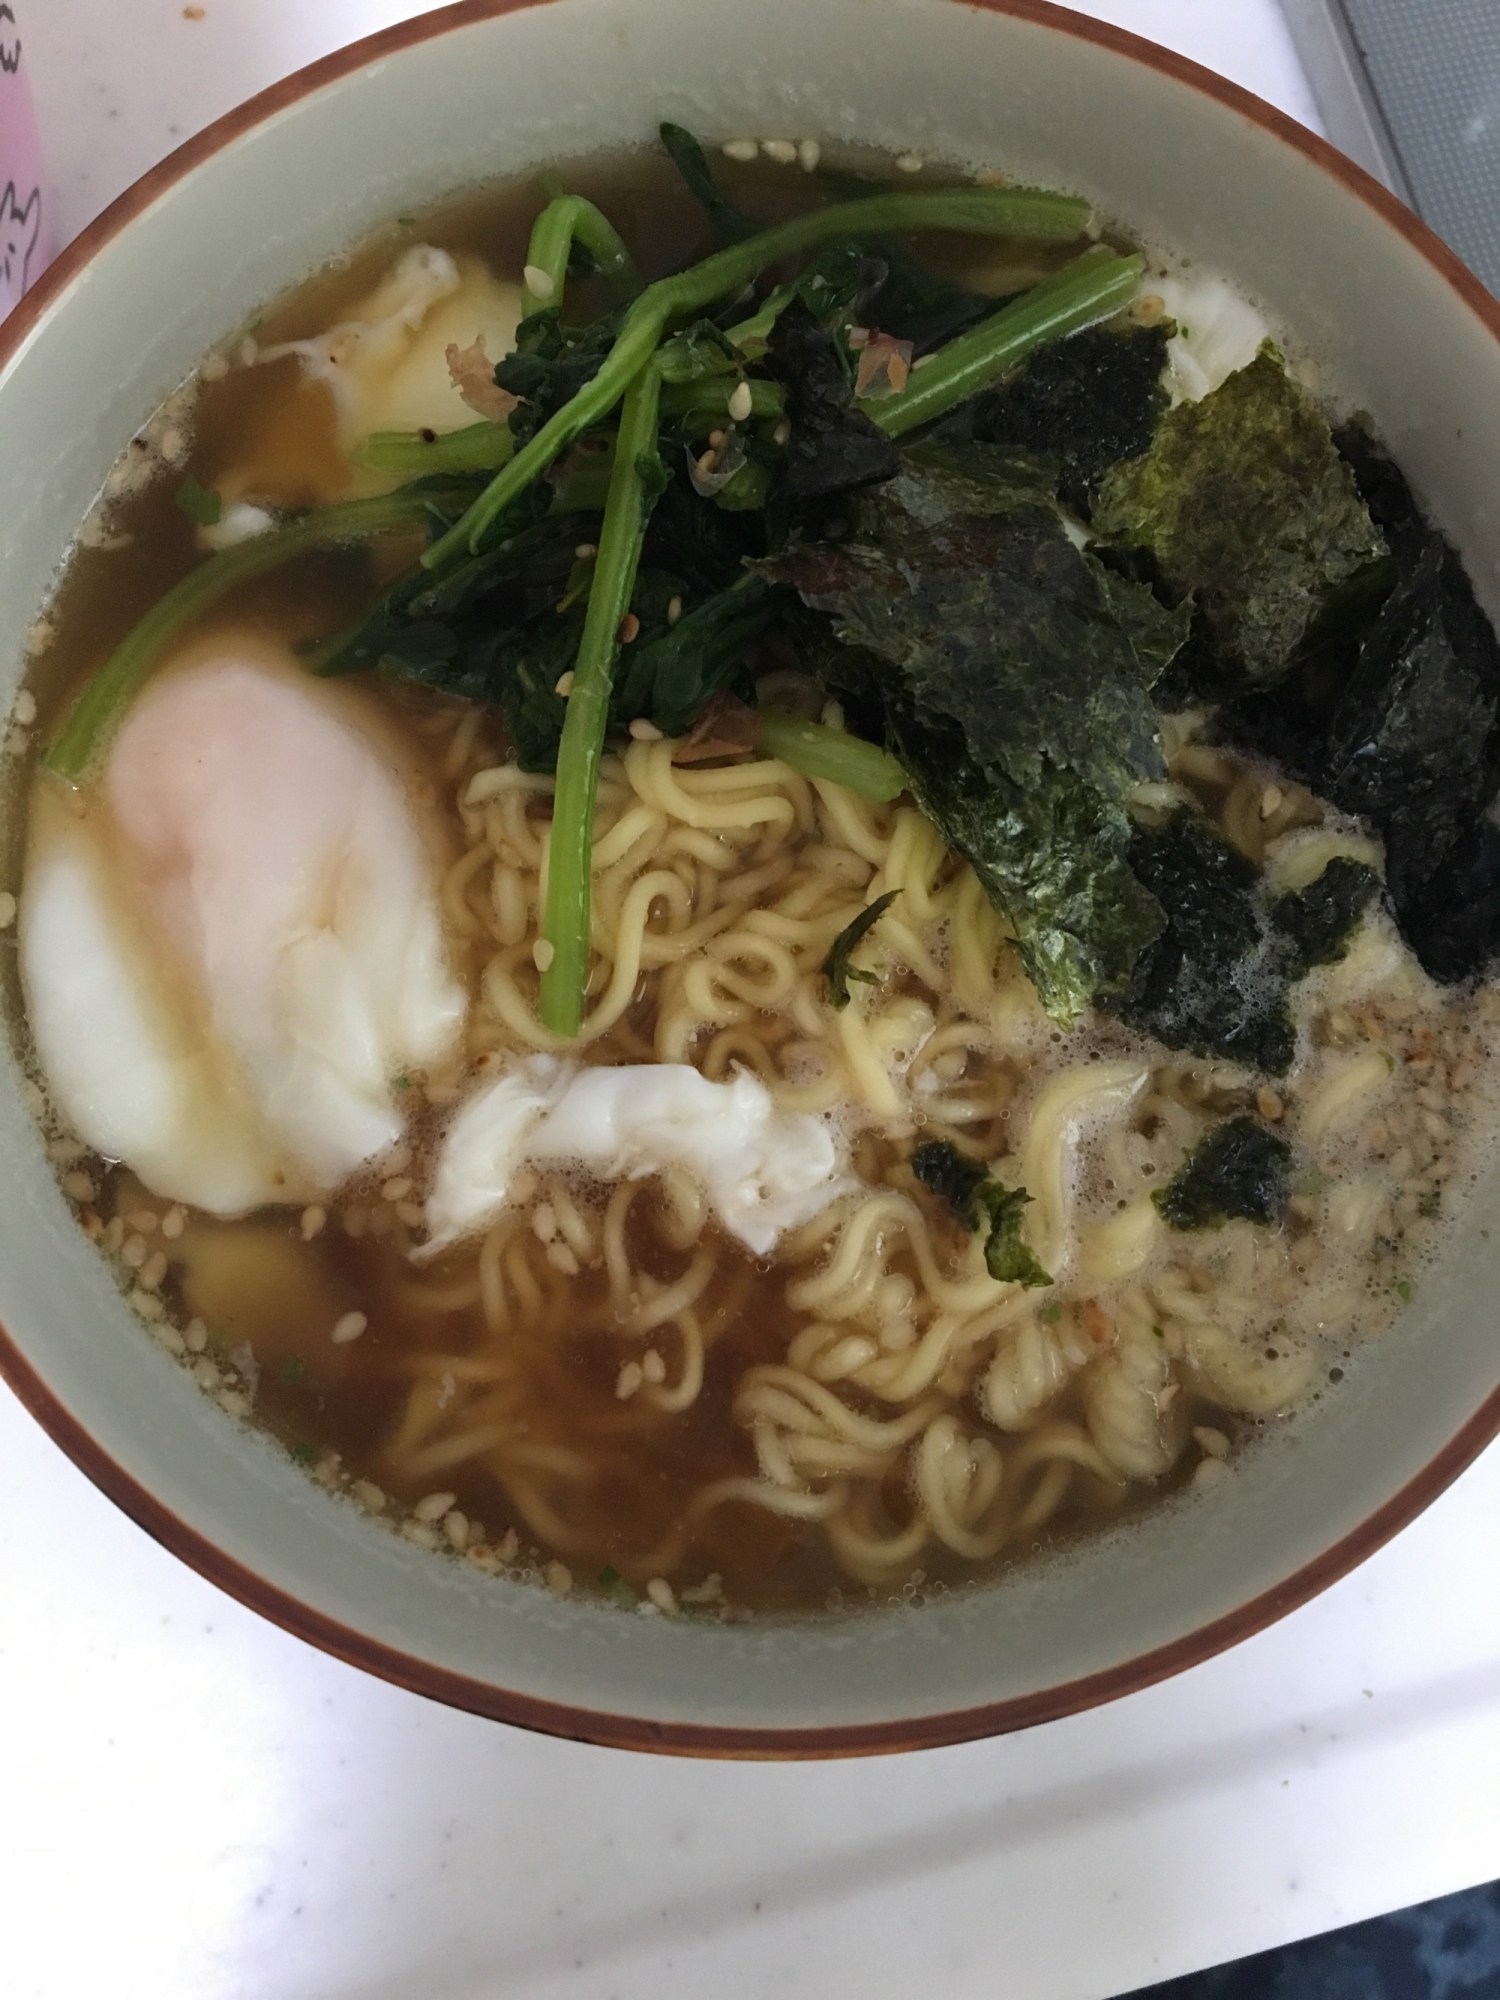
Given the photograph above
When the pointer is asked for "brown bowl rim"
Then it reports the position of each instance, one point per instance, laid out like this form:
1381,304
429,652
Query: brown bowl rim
711,1739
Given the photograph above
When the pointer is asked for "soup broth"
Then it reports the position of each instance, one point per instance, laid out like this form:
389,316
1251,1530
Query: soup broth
605,1385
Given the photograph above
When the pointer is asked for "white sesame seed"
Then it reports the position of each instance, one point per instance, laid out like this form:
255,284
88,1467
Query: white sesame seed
716,439
398,1159
411,1213
368,1495
561,1258
135,1252
542,953
1209,1472
348,1328
396,1189
1212,1441
114,1236
538,282
456,1528
652,1366
661,1594
740,149
674,610
147,1304
630,1380
249,351
143,1220
586,551
782,151
205,1374
154,1270
417,1532
167,1334
314,1222
195,1333
173,1223
909,163
234,1403
214,368
808,154
740,402
544,1221
1270,800
559,1577
564,684
434,1506
509,1546
24,711
644,731
782,431
1093,229
80,1188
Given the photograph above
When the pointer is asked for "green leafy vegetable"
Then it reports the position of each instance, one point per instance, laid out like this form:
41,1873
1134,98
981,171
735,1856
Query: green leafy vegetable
201,506
671,679
1242,1170
731,223
836,967
978,1201
1244,501
1008,1256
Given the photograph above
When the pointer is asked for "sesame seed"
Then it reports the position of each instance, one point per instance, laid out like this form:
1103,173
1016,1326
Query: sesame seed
782,151
114,1236
167,1334
782,431
509,1546
674,610
909,163
809,152
173,1223
419,1533
456,1528
434,1506
1271,800
143,1220
1268,1104
661,1594
205,1374
644,731
368,1495
398,1159
154,1270
544,1221
1212,1441
630,627
1209,1472
630,1380
234,1403
314,1222
716,439
559,1577
147,1304
538,282
561,1258
135,1252
740,403
24,711
652,1366
195,1333
564,685
740,149
348,1328
542,953
411,1213
397,1189
80,1188
586,551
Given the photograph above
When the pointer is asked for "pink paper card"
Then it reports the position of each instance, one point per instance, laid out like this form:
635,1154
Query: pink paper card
25,218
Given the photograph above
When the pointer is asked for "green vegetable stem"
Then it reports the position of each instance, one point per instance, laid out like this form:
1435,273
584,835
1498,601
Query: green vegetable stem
565,220
820,752
973,211
565,927
482,447
105,699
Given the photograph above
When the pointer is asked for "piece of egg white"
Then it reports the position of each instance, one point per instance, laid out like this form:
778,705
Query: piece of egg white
231,945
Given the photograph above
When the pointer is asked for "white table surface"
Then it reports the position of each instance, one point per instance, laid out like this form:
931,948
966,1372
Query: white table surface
195,1807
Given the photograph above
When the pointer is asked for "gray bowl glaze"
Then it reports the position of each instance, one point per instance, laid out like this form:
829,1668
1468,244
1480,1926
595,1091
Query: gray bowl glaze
273,191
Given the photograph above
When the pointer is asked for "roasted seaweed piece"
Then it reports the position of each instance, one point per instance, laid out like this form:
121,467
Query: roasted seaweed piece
1244,501
1009,689
1209,983
951,1175
836,967
978,1202
833,447
1242,1170
1314,924
1085,403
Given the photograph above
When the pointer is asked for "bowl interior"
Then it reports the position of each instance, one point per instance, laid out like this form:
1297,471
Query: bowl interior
480,93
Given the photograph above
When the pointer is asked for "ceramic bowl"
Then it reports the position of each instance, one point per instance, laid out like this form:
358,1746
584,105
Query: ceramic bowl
279,187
